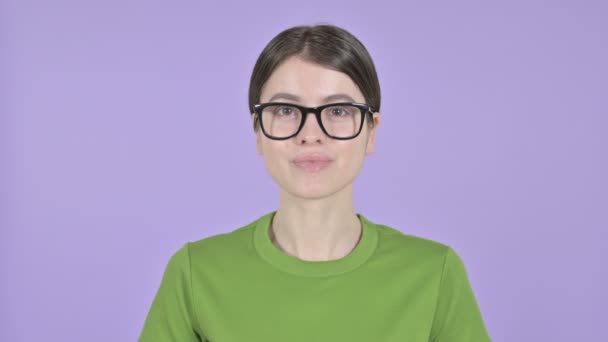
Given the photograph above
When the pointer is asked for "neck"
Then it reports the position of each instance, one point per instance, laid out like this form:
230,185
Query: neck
319,229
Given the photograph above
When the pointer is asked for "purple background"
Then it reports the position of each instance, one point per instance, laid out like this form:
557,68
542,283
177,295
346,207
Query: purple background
125,133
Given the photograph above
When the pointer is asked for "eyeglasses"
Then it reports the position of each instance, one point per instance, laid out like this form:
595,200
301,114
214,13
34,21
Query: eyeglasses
342,121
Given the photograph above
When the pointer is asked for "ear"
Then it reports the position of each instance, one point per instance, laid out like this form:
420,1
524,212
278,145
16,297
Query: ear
371,137
258,137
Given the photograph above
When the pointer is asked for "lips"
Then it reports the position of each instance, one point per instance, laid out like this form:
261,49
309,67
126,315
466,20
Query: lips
312,162
311,157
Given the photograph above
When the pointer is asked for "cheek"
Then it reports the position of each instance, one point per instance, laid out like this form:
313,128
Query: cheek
275,155
351,156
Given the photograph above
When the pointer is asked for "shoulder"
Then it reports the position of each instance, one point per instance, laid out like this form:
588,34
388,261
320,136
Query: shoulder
408,250
413,249
234,242
421,254
390,237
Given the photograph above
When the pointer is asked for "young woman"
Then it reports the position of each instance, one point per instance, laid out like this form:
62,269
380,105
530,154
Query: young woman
314,269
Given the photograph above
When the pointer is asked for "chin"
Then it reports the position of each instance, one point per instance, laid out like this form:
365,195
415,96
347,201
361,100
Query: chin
313,191
312,188
311,185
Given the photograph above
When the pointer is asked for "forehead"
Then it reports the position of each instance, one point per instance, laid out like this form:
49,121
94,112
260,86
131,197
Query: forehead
310,82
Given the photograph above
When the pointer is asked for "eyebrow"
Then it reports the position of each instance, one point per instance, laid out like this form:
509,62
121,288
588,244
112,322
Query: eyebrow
328,99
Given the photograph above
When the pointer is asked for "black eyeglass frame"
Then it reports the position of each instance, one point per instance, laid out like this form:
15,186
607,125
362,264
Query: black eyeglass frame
363,107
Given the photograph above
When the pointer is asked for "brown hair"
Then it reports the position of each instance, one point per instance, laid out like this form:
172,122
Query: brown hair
323,44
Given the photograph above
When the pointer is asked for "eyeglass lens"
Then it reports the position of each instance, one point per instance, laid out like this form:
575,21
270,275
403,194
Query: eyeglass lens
341,121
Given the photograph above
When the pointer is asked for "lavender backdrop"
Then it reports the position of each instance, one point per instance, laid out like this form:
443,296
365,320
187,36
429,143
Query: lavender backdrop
125,132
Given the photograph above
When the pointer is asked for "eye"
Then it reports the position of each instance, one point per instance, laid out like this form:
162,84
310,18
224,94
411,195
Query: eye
284,110
339,111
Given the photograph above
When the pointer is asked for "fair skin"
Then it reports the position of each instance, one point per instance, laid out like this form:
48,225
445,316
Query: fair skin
315,220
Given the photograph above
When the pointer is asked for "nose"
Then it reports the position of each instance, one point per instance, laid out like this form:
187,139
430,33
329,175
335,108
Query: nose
311,131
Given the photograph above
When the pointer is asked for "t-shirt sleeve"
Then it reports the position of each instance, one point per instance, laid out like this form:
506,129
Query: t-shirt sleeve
457,316
171,315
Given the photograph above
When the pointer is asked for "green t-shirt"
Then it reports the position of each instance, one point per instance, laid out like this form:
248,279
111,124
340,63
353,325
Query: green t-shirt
237,287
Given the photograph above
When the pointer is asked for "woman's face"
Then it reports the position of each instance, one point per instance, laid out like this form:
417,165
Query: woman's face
310,85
